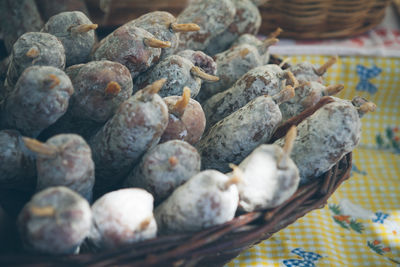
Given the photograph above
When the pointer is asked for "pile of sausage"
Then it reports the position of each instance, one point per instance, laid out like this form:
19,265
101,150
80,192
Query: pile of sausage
172,113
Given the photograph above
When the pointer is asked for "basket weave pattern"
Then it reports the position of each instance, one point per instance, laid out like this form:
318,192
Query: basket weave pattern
306,19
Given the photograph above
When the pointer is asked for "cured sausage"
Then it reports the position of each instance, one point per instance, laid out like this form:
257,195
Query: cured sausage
164,168
209,198
64,160
122,217
186,118
136,126
55,221
234,137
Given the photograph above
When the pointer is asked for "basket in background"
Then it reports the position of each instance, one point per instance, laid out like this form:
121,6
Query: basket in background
320,19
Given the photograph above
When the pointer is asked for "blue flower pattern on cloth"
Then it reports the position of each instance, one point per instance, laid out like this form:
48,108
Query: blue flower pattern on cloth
380,217
365,75
307,261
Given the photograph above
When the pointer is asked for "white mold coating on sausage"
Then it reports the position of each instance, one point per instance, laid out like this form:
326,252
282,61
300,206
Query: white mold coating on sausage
254,41
122,217
201,60
201,202
263,184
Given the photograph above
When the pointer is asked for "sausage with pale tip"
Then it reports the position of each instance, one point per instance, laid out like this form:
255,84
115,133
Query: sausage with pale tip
209,198
234,63
213,18
269,176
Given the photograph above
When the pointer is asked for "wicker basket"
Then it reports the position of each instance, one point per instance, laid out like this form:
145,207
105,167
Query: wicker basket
217,245
300,19
310,19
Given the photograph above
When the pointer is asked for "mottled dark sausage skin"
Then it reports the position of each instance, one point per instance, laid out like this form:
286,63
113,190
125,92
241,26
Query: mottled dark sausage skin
76,32
64,160
201,60
17,162
307,95
164,27
234,137
307,72
213,17
34,48
137,126
101,86
18,17
186,119
262,80
176,70
246,20
39,98
55,221
179,72
126,45
164,168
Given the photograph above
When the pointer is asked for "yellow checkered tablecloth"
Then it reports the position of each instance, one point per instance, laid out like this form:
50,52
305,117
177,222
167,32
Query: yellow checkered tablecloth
360,225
